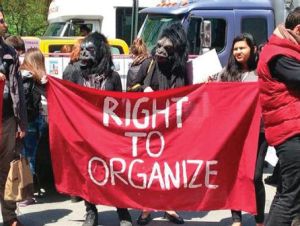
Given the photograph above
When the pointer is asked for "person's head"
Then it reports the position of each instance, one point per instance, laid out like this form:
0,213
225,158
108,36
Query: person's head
66,48
74,56
3,25
84,30
34,62
172,48
243,57
292,21
138,48
17,42
95,54
243,52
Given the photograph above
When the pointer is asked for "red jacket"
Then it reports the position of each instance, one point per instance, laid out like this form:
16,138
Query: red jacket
280,105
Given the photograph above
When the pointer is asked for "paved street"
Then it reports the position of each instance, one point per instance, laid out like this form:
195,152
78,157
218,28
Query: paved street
57,210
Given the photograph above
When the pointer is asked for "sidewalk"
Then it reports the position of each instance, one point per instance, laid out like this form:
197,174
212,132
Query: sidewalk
57,210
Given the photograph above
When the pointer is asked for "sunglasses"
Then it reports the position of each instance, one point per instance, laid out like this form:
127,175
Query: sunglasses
2,21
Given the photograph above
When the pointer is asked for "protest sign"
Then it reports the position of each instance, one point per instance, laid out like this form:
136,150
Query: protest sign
191,148
204,66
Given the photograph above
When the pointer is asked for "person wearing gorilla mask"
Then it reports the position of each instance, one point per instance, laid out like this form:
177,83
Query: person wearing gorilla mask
166,69
96,71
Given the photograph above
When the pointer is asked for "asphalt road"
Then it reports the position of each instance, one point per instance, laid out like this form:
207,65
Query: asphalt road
57,210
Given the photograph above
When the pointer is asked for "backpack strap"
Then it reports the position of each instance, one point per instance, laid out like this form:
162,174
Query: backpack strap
149,74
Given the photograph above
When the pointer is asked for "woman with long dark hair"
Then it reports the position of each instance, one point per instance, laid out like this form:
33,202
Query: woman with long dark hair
241,67
242,62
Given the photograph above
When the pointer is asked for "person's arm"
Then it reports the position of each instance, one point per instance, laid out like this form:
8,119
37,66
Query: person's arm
67,73
131,76
137,85
286,70
40,89
22,121
117,82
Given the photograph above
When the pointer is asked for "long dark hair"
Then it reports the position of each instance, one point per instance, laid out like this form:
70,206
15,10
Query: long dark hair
234,69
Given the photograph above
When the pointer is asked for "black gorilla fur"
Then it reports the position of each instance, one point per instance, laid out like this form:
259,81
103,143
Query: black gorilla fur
176,34
104,64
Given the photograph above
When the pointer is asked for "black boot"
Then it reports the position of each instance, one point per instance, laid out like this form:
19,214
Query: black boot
38,191
124,217
91,218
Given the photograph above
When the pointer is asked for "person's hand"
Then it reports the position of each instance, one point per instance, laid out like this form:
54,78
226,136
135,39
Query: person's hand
44,79
148,89
2,76
20,134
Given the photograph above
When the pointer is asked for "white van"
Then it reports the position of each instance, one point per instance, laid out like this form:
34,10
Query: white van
113,18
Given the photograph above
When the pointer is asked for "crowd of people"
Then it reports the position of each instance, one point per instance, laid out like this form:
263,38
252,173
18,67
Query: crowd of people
276,66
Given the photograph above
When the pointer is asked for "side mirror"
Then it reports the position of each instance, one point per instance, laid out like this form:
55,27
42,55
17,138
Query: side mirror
206,34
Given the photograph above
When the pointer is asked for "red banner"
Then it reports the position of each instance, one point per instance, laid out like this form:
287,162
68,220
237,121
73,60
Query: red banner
192,148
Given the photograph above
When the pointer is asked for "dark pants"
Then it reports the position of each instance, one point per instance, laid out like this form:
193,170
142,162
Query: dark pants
122,212
286,203
276,172
7,154
260,193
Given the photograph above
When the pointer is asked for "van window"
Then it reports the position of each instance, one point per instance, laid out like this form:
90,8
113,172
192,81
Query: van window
74,29
218,32
152,27
258,27
54,29
77,28
123,22
60,48
193,35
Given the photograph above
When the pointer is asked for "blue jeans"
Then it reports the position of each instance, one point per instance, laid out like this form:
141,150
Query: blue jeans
286,204
31,140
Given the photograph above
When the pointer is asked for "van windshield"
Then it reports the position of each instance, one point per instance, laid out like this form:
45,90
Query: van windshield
152,27
55,29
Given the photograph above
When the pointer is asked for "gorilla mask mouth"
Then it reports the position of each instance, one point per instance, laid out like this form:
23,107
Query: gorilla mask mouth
161,58
85,63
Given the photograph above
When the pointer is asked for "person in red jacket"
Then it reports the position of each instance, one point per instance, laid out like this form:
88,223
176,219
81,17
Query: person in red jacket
279,76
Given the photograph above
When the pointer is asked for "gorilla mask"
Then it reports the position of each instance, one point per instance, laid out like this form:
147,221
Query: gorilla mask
95,56
164,50
93,50
87,54
171,50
